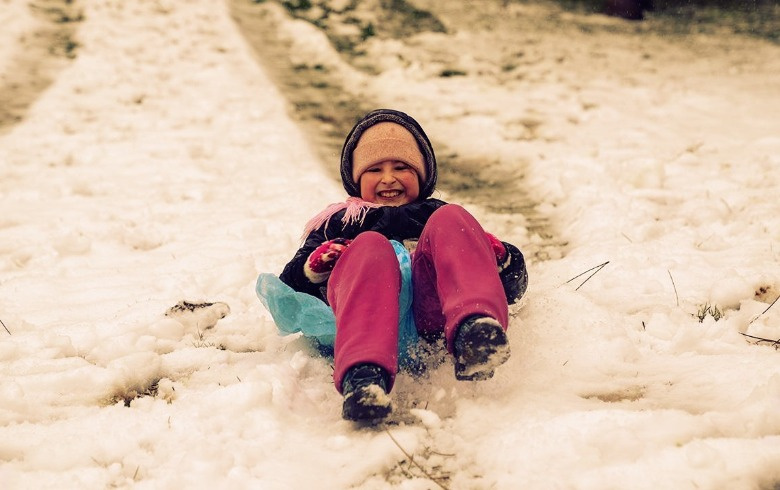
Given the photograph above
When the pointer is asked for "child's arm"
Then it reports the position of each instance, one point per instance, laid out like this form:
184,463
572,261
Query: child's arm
294,274
511,268
309,269
321,261
514,275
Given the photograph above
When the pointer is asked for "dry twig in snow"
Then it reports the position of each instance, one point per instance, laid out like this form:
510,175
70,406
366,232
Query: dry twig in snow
764,312
598,268
411,460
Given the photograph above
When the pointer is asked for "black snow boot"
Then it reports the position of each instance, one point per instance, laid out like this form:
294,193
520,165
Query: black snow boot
480,346
365,393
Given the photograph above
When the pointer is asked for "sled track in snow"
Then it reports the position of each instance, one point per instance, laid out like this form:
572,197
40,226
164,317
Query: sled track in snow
327,110
40,53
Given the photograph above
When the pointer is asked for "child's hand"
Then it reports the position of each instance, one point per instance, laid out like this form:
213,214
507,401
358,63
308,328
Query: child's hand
322,260
500,250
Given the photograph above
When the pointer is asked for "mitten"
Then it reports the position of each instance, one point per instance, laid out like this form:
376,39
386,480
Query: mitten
502,258
322,260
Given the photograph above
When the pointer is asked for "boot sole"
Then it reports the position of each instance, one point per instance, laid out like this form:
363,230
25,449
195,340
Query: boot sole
366,404
485,348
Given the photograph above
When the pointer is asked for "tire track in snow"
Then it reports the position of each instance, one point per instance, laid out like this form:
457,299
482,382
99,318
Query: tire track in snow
40,54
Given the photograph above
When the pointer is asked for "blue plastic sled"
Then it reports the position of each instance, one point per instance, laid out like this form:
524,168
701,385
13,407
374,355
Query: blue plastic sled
295,312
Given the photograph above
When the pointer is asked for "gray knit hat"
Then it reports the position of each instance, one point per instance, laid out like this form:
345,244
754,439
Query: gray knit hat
427,176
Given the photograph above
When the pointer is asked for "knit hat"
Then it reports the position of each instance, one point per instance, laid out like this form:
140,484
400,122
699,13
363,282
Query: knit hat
386,141
374,140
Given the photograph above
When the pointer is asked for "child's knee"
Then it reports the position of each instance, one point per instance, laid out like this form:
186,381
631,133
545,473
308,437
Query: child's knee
452,216
450,212
371,239
374,242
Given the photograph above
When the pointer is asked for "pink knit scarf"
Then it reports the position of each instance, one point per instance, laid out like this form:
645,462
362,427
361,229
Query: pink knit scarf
356,212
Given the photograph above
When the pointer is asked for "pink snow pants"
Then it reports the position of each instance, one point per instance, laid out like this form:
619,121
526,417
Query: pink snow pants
454,275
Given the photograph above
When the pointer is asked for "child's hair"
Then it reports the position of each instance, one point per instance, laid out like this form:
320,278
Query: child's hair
427,184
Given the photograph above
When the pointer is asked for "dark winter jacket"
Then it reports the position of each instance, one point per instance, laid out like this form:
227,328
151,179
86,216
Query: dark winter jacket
401,223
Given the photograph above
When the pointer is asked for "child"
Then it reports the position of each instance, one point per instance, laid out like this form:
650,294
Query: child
463,278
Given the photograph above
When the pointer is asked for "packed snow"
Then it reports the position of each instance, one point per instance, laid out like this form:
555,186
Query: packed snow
163,165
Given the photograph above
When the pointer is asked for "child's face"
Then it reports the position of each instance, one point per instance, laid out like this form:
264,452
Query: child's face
389,183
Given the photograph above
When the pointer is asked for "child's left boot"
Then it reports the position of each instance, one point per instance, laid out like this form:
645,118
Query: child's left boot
481,345
365,394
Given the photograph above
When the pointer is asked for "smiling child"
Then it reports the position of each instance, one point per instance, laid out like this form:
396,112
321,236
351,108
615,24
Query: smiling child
463,277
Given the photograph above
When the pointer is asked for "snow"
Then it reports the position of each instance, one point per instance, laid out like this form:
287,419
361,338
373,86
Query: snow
162,165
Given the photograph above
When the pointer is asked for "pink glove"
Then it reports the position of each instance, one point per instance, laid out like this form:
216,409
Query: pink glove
322,260
500,250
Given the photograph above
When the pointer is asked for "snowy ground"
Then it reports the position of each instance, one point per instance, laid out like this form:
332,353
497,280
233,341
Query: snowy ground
163,165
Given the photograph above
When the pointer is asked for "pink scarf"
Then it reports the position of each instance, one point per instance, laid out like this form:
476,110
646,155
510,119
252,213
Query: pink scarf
356,212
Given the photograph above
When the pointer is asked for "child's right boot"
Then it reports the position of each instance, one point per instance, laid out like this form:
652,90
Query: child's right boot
365,394
481,345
